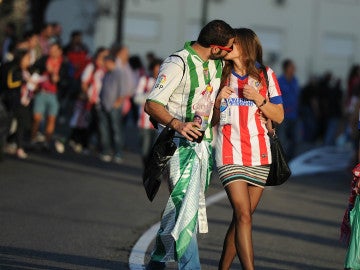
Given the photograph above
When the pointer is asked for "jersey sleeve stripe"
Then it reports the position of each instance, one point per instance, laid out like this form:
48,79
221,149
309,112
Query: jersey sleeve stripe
276,100
156,101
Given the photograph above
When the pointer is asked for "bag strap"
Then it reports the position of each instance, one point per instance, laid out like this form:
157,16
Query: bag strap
182,60
263,69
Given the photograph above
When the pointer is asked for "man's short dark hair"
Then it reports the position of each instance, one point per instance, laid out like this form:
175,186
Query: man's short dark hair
216,32
286,63
76,33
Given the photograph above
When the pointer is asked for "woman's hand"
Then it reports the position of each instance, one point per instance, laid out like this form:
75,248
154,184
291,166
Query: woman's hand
225,92
251,93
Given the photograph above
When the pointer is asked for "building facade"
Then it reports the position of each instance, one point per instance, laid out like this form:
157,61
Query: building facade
319,35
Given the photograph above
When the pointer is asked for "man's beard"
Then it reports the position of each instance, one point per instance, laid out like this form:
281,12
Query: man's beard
216,56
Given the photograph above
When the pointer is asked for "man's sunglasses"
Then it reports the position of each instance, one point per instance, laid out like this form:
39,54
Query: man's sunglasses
227,49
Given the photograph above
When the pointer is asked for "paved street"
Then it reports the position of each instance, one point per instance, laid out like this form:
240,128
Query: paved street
75,212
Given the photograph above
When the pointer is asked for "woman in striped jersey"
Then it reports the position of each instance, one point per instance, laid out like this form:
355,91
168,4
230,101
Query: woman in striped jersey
243,151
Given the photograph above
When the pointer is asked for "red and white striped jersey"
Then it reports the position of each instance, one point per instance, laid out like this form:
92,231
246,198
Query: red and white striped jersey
142,92
93,77
245,141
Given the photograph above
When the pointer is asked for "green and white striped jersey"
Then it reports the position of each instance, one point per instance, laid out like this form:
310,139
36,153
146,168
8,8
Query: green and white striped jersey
180,94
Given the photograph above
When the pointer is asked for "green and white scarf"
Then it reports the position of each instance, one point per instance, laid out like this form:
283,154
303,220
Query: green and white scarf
189,174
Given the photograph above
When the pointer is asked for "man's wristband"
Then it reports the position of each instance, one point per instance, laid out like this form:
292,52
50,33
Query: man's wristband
168,124
263,103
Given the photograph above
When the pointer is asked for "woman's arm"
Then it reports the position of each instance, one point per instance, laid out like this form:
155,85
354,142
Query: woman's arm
274,112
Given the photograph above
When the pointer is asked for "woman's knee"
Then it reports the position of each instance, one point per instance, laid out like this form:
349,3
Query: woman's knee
243,216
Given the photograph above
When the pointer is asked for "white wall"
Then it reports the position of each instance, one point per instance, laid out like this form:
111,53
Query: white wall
74,15
319,35
297,29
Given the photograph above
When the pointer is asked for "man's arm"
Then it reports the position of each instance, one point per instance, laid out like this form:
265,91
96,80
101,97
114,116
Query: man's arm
188,129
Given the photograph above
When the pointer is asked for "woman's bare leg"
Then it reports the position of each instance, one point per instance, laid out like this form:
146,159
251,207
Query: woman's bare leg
36,124
229,247
50,127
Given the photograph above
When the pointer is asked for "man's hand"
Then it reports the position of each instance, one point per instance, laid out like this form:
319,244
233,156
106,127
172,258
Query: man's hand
190,130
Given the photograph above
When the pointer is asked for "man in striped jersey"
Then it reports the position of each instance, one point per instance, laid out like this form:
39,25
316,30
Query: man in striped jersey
183,79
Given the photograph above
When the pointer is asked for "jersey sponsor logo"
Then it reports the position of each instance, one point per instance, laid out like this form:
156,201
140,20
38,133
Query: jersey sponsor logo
240,102
160,82
200,107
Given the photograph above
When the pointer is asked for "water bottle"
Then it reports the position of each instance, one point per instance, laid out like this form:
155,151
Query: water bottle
225,113
202,112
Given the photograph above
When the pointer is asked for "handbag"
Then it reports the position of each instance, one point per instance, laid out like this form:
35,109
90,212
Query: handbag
279,168
162,150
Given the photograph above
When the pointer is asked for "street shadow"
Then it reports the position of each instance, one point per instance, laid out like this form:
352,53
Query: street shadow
54,216
286,233
21,258
274,214
287,264
91,167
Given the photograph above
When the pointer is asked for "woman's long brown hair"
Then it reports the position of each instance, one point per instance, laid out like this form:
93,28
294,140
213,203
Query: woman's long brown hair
252,52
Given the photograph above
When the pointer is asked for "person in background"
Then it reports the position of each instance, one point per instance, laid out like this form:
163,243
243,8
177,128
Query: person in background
147,130
33,46
138,72
112,99
129,80
77,53
18,94
172,103
309,110
9,42
290,90
56,70
150,56
331,106
56,35
353,84
243,154
44,38
85,118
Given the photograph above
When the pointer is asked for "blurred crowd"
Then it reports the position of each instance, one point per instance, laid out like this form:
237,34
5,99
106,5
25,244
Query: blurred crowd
321,112
59,97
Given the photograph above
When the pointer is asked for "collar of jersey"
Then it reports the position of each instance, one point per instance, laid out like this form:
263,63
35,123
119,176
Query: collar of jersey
239,76
188,47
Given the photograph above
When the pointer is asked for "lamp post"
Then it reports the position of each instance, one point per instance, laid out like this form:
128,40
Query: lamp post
120,21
